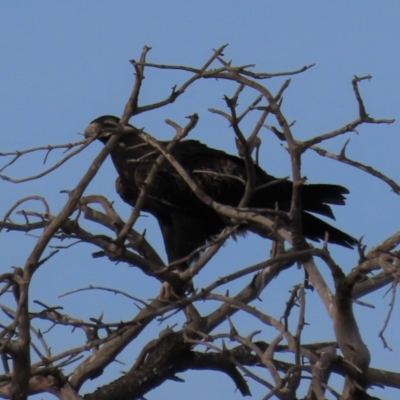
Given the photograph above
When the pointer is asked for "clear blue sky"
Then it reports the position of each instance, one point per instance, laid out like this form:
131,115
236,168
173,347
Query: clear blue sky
65,63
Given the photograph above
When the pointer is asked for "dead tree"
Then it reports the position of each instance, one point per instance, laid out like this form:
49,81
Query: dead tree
29,364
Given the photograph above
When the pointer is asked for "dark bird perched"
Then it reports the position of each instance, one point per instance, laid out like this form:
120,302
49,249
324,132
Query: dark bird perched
187,223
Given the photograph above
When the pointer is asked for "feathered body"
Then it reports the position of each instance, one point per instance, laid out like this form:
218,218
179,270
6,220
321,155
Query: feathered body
186,223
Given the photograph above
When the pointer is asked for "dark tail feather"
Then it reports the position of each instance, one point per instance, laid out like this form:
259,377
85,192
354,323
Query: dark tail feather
317,197
315,229
326,193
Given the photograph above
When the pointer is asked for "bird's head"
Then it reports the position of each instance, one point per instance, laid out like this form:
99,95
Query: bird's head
103,127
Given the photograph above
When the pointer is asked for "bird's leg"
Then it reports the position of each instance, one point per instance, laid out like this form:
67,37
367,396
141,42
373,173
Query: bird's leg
277,248
170,292
167,291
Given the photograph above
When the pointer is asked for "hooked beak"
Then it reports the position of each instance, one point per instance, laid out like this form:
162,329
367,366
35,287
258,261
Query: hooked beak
102,128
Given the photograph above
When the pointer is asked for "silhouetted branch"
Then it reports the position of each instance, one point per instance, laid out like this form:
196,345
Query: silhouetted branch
366,168
48,170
